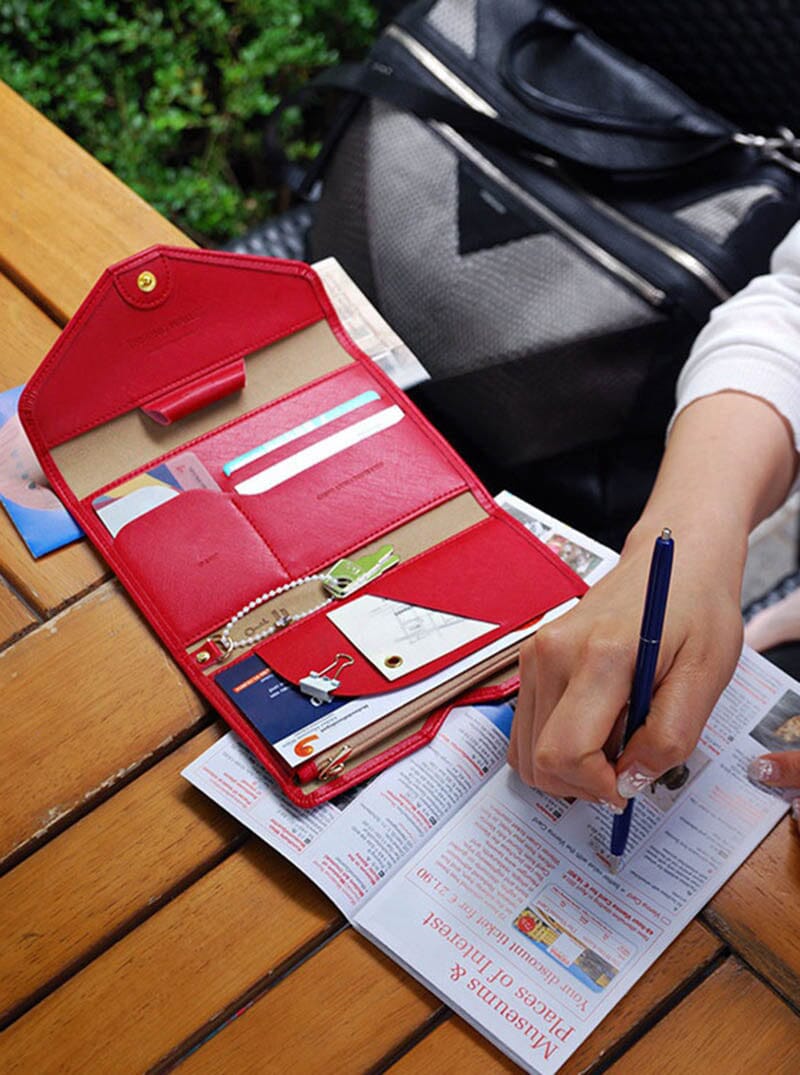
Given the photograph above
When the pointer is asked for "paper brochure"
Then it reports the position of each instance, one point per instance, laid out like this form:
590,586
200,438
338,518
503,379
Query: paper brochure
498,897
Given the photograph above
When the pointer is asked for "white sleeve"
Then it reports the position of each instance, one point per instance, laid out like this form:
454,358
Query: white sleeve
752,342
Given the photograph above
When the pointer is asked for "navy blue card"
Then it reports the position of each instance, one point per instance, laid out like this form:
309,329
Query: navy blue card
274,707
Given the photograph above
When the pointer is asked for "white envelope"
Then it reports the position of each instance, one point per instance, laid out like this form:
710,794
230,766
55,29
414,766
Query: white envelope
399,638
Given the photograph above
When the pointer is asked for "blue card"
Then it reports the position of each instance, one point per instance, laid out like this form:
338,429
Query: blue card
274,707
42,520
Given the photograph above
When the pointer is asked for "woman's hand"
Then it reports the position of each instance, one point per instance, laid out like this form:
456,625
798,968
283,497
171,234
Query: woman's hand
576,674
729,462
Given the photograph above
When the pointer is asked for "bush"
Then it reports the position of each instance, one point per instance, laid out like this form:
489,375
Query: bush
173,97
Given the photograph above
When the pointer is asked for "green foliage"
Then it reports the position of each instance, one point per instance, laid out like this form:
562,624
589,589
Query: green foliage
173,97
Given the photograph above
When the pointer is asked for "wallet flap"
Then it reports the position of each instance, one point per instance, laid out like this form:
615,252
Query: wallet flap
127,344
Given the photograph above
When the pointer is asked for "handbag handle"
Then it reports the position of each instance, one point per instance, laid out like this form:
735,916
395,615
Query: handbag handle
554,27
584,147
600,143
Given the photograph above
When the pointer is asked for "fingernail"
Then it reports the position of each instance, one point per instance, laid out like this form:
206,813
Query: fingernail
796,810
632,781
760,770
618,810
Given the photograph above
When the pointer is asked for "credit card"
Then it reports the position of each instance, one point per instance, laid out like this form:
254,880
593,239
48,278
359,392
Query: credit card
316,453
308,426
133,498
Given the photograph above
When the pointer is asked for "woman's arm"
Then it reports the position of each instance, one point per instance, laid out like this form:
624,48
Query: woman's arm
729,462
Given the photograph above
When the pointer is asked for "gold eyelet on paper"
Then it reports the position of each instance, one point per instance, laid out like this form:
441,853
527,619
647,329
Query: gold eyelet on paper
394,661
146,281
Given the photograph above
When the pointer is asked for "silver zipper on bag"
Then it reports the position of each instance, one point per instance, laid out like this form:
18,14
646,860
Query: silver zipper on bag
654,295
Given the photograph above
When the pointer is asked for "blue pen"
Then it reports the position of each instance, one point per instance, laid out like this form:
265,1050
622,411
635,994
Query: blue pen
655,605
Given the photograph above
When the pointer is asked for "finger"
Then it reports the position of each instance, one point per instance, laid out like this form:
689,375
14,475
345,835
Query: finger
570,746
776,770
526,773
679,710
534,703
541,683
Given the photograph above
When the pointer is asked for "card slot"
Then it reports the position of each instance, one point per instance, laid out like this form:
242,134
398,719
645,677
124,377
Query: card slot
257,427
197,560
342,503
494,572
281,428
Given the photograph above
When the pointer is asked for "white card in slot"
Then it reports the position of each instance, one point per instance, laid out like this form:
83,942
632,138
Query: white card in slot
118,513
399,638
316,453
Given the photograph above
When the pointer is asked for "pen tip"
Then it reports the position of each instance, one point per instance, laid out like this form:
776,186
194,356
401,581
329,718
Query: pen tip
614,862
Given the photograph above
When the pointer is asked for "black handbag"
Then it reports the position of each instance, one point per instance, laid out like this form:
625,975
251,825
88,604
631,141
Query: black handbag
547,224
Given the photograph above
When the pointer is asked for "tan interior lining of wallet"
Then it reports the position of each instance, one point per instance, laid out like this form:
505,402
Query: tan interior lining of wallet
92,459
408,540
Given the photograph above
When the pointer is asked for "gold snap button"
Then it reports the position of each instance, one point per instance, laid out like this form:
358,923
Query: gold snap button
146,281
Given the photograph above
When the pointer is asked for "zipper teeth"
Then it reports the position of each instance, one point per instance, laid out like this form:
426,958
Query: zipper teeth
654,295
681,257
441,71
676,253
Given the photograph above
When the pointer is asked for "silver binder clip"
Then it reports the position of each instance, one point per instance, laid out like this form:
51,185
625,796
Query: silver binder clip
319,686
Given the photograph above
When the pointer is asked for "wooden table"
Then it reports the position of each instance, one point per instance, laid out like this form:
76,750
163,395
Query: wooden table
142,928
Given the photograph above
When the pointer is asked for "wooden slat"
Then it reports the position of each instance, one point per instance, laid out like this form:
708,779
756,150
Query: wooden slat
455,1046
87,696
731,1023
14,616
175,972
63,217
28,334
341,1011
144,842
52,580
756,911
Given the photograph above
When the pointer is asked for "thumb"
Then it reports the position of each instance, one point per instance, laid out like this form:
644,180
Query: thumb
679,709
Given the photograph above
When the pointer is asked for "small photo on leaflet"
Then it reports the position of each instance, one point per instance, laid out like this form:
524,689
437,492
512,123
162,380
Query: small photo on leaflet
41,519
779,729
566,947
669,787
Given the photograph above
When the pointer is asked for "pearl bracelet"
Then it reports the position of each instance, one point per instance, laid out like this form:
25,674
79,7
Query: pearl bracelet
228,644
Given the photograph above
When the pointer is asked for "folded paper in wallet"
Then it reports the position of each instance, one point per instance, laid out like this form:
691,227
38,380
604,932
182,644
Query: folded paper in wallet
256,445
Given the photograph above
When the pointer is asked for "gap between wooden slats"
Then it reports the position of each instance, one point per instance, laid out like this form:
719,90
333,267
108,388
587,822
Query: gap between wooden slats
95,699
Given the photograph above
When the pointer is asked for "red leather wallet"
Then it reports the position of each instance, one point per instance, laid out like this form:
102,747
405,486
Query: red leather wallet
180,361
